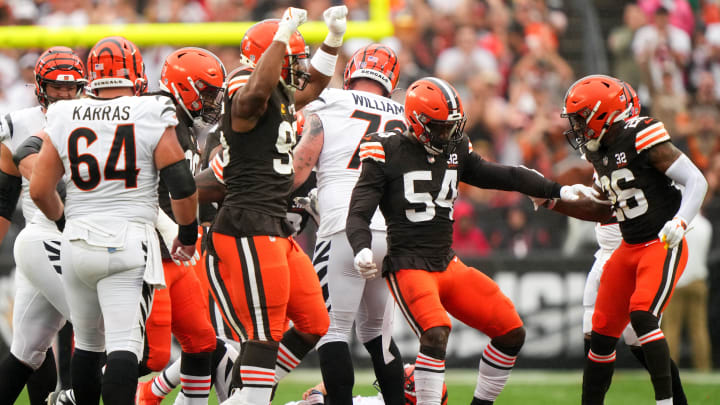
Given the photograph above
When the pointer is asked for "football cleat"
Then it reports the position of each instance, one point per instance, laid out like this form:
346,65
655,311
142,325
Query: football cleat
144,394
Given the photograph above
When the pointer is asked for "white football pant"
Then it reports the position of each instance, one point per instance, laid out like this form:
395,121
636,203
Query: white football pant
349,296
40,307
108,299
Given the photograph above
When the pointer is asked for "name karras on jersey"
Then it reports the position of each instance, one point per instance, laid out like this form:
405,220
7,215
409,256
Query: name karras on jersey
106,113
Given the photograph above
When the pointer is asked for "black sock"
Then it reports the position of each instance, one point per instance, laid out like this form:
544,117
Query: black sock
14,376
86,375
196,365
476,401
679,397
64,352
586,342
390,376
119,382
656,352
599,367
337,372
42,382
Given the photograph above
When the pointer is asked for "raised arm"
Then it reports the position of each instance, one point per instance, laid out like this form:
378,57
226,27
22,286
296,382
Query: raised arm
322,65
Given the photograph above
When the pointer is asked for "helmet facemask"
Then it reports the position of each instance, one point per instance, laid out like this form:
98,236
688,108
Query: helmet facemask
440,136
296,70
207,105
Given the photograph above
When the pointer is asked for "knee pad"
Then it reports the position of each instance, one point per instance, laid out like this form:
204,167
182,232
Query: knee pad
643,322
32,358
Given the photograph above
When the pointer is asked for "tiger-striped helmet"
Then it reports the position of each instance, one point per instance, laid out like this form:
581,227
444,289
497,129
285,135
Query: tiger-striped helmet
116,62
376,62
58,65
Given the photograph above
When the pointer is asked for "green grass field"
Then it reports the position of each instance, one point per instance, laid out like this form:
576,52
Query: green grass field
537,387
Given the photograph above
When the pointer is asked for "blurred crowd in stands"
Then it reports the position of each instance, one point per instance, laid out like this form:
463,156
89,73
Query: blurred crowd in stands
505,59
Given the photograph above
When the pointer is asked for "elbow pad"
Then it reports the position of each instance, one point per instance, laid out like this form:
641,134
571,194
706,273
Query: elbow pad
10,187
31,146
178,179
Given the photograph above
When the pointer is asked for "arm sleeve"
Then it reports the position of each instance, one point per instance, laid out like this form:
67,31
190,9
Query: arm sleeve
684,172
365,198
481,173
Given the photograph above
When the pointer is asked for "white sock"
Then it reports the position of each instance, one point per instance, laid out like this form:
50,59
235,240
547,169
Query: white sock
195,388
162,384
286,362
668,401
494,371
429,378
257,384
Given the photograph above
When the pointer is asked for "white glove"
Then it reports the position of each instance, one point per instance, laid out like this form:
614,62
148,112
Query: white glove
292,18
309,204
336,21
365,265
578,191
672,233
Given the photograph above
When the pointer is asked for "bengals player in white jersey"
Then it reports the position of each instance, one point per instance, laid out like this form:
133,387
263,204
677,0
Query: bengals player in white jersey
335,125
40,308
113,147
637,168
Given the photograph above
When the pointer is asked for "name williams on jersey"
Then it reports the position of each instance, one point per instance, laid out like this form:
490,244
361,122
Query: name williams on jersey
105,113
381,105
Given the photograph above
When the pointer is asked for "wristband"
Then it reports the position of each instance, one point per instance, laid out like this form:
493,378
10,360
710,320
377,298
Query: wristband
187,234
324,62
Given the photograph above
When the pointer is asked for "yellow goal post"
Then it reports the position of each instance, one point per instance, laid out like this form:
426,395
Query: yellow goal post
183,34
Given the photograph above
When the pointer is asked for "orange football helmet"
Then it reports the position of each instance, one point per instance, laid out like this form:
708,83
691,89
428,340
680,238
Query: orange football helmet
409,387
58,65
375,61
195,77
592,105
435,114
296,66
116,62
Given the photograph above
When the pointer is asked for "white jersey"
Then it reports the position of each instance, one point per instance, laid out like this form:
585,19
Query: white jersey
15,128
608,236
347,115
107,148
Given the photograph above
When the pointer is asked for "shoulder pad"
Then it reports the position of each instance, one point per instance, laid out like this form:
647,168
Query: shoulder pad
648,132
372,146
238,78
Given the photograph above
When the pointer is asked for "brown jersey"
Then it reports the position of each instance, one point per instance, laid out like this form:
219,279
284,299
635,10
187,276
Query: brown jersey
258,169
416,193
643,198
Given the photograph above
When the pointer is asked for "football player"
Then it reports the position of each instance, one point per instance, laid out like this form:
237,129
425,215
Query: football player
194,78
114,146
40,307
334,127
609,238
413,178
250,247
637,168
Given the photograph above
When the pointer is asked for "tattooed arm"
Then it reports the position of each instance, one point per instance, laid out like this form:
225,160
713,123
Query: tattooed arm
306,153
